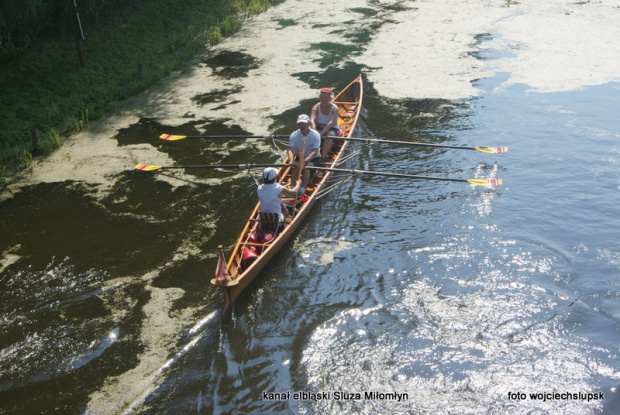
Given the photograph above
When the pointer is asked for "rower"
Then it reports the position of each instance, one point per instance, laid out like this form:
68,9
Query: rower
270,195
311,150
324,119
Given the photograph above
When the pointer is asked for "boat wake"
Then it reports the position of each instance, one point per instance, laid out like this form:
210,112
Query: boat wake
150,384
31,355
78,362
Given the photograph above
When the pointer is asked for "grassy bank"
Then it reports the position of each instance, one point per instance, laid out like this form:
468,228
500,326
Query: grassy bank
47,95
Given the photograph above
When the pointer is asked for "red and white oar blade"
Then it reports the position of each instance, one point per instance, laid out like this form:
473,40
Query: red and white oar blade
492,150
485,182
147,167
171,137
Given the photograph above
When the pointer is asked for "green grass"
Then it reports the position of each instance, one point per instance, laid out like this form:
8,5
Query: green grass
125,52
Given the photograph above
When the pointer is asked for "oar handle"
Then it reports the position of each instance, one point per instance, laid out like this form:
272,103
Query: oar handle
299,172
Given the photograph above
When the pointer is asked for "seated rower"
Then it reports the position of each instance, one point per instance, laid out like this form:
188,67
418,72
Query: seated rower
324,119
311,150
270,195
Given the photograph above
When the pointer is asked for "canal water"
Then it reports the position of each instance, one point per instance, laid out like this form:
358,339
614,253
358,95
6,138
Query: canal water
395,296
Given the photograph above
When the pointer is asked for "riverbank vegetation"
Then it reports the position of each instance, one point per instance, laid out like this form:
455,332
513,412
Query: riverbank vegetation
128,45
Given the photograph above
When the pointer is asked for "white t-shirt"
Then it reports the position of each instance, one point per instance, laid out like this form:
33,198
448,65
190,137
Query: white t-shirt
269,196
313,142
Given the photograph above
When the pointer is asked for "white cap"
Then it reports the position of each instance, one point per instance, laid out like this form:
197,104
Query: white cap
269,173
303,118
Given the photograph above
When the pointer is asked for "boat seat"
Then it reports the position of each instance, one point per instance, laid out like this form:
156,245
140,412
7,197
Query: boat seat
346,103
270,222
346,109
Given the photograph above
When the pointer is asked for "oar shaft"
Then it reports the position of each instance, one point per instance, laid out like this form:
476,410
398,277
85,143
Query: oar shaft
387,174
232,166
148,167
360,139
495,150
407,143
479,182
239,136
173,137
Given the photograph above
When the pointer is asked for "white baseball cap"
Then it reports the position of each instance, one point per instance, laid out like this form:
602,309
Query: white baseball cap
269,173
303,118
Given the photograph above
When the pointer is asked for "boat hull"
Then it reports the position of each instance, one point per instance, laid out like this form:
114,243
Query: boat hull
349,102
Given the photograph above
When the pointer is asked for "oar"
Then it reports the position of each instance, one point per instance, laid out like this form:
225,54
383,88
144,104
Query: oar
479,182
150,167
492,150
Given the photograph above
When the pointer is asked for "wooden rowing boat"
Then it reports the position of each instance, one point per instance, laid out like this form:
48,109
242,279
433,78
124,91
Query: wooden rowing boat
250,255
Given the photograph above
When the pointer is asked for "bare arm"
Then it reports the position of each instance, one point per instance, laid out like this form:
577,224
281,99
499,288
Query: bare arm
334,118
314,154
291,155
291,192
314,114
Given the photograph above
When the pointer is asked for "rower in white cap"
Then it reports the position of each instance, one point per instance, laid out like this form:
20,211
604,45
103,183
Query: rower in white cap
310,141
270,194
